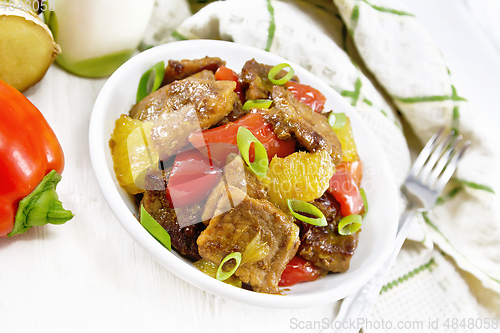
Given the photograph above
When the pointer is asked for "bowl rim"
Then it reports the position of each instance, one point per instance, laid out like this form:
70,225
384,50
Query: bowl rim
169,260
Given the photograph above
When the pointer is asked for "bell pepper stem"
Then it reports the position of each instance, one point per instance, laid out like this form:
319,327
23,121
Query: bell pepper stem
41,206
59,216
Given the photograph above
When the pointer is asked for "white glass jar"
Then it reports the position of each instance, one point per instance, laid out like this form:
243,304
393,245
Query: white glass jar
97,36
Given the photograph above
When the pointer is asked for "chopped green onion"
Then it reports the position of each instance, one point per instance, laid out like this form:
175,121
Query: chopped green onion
150,81
350,224
221,276
275,71
155,229
244,138
257,104
337,120
210,269
365,201
296,206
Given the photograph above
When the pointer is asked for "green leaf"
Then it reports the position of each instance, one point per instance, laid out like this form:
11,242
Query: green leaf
155,229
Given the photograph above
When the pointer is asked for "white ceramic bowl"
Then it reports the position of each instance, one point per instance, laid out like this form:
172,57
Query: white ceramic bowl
379,227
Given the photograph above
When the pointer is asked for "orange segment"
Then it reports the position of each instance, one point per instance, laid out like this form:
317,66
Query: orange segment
346,138
301,176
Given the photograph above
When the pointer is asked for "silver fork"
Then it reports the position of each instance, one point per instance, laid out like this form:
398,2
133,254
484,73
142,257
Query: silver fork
428,176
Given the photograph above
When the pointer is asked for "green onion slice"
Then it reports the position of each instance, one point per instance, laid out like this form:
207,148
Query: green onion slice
150,81
244,138
337,120
365,201
296,206
221,276
276,69
155,229
350,224
257,104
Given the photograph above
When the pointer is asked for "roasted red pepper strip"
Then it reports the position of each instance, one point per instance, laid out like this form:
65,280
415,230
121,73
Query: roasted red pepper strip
299,270
307,95
354,168
192,178
29,152
345,190
222,140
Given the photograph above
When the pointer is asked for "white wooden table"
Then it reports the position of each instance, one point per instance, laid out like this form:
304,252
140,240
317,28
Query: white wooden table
89,276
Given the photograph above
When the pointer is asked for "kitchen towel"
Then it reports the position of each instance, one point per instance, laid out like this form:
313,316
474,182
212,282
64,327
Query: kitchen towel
382,60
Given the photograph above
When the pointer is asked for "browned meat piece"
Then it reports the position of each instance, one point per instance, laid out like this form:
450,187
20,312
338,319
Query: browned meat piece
235,114
184,107
255,82
324,246
156,204
236,174
204,74
152,105
271,230
291,118
178,70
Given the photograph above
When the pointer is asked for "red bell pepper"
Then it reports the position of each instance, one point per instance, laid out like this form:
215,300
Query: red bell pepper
192,178
31,160
221,140
299,270
354,168
308,95
345,190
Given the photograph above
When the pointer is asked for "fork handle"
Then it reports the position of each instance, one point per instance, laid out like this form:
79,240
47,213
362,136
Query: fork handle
357,307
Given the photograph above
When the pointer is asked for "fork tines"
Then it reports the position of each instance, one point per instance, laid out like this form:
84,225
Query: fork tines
438,160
